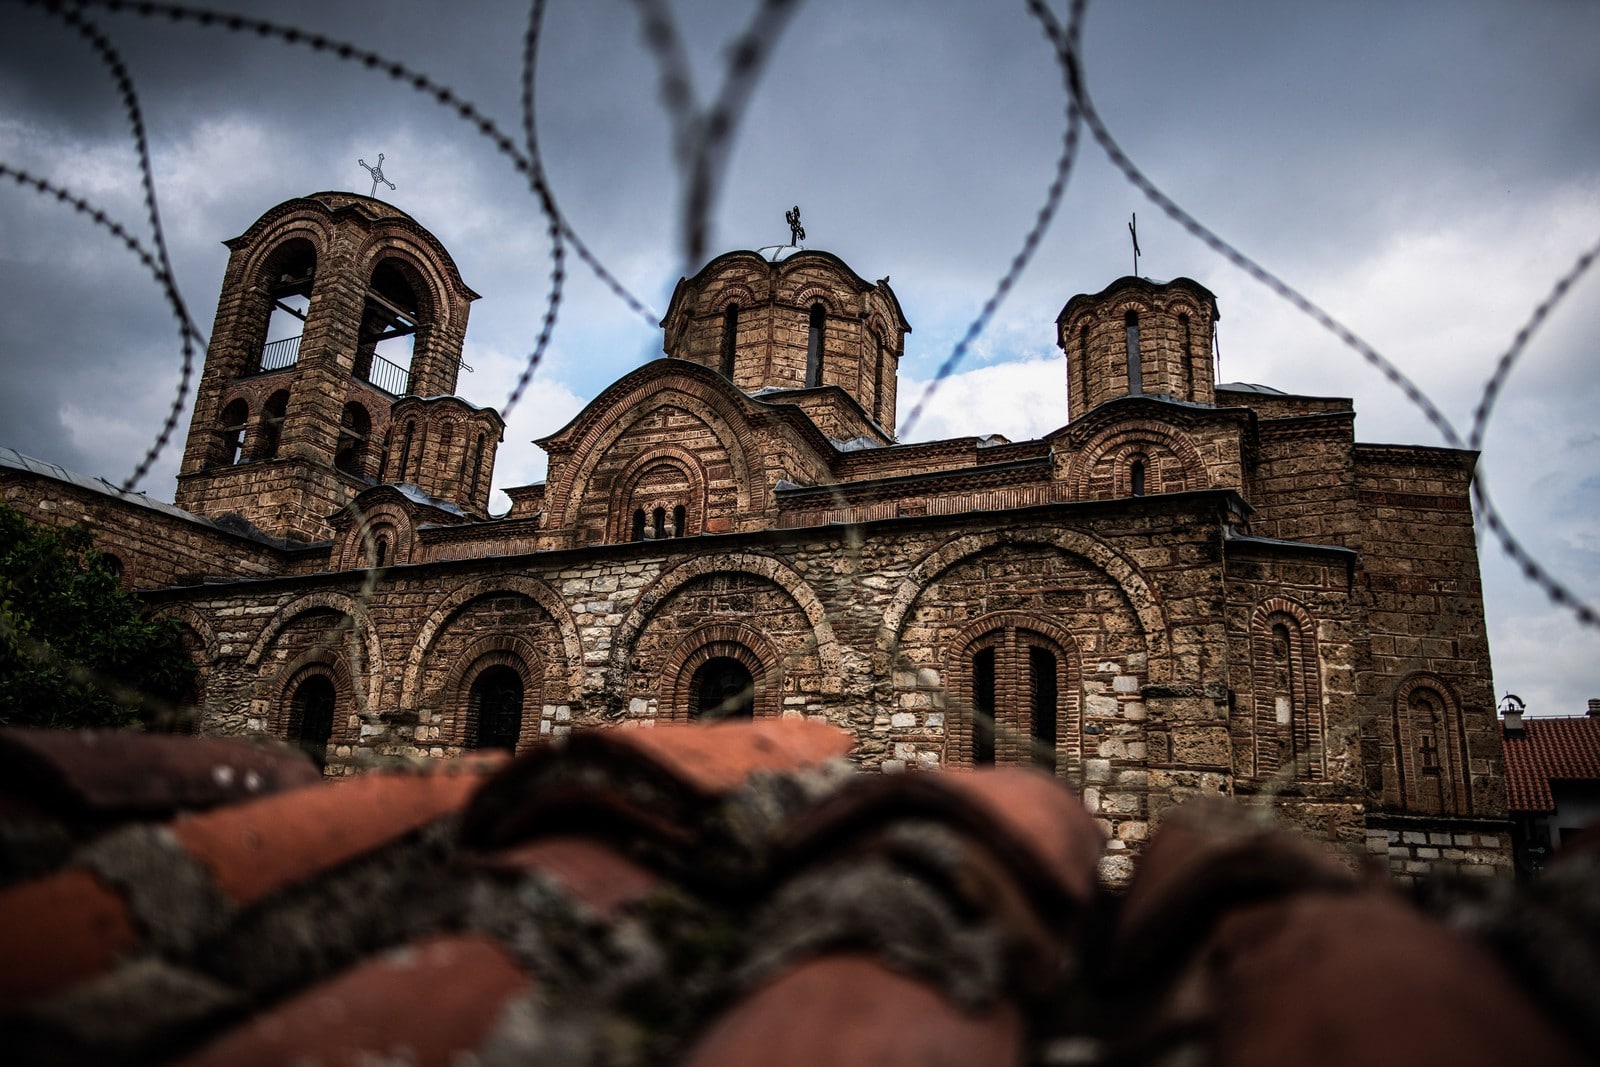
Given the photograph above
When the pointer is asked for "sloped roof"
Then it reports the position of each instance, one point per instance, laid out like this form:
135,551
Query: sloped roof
1549,750
714,895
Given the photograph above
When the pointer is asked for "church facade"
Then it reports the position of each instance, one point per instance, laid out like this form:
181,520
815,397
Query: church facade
1190,587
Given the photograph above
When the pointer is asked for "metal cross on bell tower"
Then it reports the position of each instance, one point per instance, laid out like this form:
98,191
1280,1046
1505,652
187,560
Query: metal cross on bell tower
377,175
797,232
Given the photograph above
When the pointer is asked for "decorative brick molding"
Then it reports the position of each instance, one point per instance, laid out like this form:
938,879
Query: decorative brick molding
1011,633
1291,674
350,613
748,646
1442,786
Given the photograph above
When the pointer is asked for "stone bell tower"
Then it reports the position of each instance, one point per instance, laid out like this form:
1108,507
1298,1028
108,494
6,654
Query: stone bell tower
1138,337
334,307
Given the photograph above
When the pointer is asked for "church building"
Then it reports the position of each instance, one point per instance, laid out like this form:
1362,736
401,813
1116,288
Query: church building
1190,587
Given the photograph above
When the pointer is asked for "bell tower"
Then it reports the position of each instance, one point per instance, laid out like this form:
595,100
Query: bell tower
797,322
334,307
1138,337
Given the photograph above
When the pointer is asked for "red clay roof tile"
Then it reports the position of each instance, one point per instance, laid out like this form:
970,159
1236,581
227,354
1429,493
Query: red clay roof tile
1335,980
58,931
430,1004
120,771
599,876
717,759
851,1011
253,850
1549,750
1026,818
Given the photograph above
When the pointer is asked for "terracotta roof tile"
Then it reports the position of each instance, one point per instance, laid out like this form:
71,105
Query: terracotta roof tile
58,931
594,873
120,771
253,850
428,1005
1549,750
1028,819
654,782
851,1011
717,759
1208,857
1332,980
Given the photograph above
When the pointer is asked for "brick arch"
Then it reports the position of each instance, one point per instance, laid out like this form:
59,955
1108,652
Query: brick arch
540,593
388,515
1114,441
341,604
1456,796
273,707
506,650
731,293
600,426
812,293
1306,666
775,571
627,482
1069,714
735,641
1143,599
304,226
421,271
187,616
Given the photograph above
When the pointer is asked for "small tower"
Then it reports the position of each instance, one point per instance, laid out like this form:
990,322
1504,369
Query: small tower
798,321
1137,337
333,307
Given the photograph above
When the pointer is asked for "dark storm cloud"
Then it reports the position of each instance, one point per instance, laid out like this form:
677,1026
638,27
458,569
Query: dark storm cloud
1425,170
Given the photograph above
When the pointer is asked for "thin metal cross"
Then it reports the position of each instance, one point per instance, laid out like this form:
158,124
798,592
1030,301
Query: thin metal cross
1133,231
377,175
797,232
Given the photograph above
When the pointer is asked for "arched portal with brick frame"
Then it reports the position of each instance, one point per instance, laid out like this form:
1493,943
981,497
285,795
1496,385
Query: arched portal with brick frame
1287,717
468,698
1015,694
691,671
738,590
310,703
332,623
1430,745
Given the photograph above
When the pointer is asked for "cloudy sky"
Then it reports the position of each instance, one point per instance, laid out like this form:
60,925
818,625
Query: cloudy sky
1425,171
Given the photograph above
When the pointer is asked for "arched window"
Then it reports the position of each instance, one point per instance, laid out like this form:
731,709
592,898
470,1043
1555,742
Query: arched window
730,338
1135,379
311,711
814,345
477,467
494,708
638,524
1136,477
1188,358
405,450
113,566
680,517
380,551
722,688
272,416
659,529
230,435
1017,677
447,434
1430,749
877,378
355,425
1288,695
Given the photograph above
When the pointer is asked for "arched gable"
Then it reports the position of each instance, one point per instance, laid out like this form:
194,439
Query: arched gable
353,613
1143,600
1099,468
571,668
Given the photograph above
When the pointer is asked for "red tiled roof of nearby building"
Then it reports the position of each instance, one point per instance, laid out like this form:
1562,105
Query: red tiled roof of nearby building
705,895
1549,750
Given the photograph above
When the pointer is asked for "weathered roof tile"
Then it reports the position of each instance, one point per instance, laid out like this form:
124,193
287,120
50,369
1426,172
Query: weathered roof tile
121,772
253,850
430,1004
605,880
852,1011
1549,750
58,931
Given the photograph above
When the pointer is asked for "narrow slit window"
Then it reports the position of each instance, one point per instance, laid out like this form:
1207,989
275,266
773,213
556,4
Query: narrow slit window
1042,690
659,528
1135,378
1136,477
679,515
730,338
638,524
983,707
814,343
